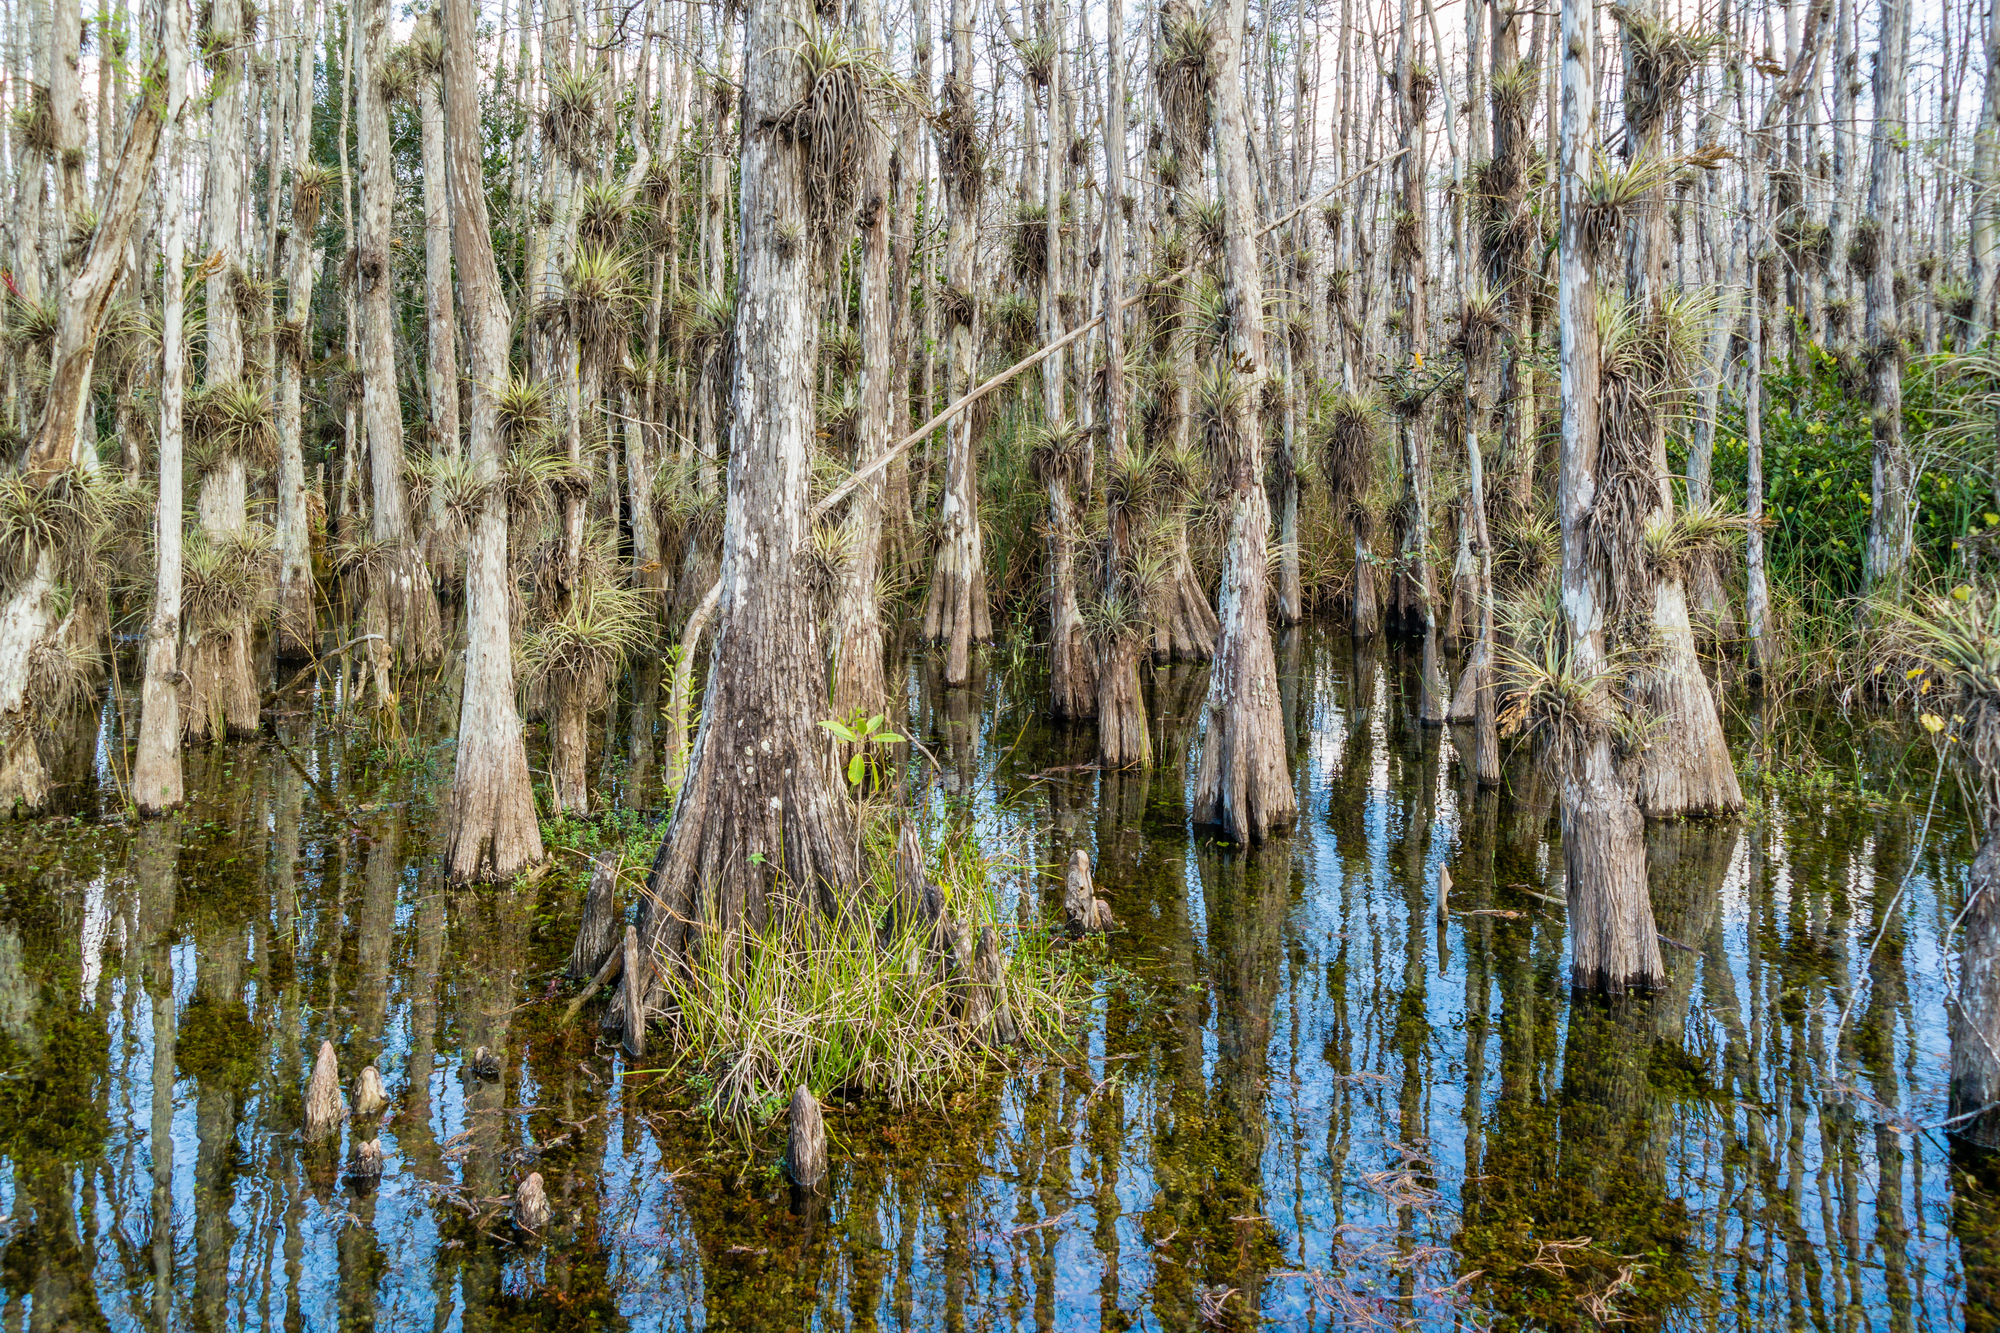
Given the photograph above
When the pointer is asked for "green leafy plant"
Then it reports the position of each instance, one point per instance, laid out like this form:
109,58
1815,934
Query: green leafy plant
862,734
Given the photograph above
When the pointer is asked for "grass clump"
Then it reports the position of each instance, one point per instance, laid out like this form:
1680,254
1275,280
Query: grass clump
878,1000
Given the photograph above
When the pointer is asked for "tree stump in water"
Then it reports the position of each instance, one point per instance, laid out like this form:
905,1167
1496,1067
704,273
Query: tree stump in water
369,1099
324,1107
1444,892
597,932
915,898
805,1149
367,1160
531,1205
989,974
1083,912
630,1005
485,1063
1078,895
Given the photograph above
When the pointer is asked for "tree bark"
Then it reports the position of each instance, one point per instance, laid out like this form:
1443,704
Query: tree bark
28,611
398,600
1985,222
1604,850
1123,740
760,838
1243,784
860,684
1892,514
156,771
956,614
296,612
490,828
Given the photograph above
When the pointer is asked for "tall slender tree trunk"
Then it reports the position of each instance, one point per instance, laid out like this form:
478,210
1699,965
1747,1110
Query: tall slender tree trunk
156,771
1123,740
760,838
1985,227
399,602
1243,784
295,613
215,658
860,684
1603,835
490,828
1892,513
956,614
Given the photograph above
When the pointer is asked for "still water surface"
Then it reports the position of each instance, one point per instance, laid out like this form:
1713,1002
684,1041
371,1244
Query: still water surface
1298,1099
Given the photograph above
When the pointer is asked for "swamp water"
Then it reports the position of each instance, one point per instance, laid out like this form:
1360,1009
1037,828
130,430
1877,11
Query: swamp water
1296,1098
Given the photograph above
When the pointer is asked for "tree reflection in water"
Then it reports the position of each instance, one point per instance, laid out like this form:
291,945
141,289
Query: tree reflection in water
1298,1096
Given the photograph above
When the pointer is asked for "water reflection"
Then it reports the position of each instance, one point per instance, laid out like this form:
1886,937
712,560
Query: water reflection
1301,1095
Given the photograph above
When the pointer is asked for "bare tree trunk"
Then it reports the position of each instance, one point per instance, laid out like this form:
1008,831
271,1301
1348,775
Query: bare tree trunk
1757,593
956,613
860,684
1417,599
490,828
296,612
215,658
156,771
441,367
760,838
1892,514
1986,189
1603,835
1243,784
399,602
1123,740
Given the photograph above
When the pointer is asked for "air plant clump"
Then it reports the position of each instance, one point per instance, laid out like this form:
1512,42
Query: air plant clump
32,325
684,510
1546,692
526,409
62,516
961,150
834,118
580,649
1028,242
597,302
1407,237
1660,58
1205,221
230,420
602,210
840,352
35,122
1184,73
63,673
310,182
1218,408
1480,323
225,580
827,556
1864,246
957,306
1058,451
1013,320
1118,619
1612,189
570,120
1038,58
1648,359
1345,435
839,416
1673,541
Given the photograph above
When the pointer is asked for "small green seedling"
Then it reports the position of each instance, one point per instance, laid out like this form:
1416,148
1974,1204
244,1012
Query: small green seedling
862,734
